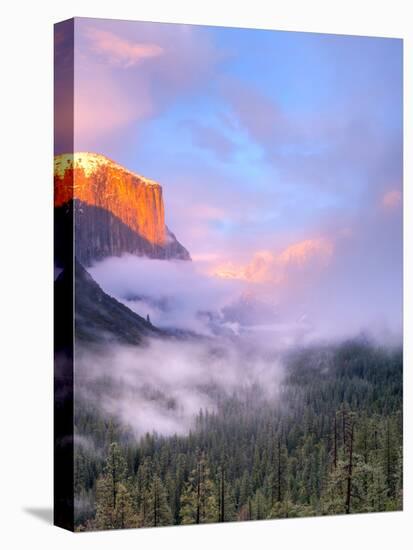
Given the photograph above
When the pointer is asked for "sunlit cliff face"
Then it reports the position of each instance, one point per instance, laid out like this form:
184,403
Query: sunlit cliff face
97,181
269,267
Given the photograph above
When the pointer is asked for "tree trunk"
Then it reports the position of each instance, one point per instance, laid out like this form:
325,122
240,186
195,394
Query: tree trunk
279,471
114,480
198,495
343,414
155,505
222,510
388,458
350,470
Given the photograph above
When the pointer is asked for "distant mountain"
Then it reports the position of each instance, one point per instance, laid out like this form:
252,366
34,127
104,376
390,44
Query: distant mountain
114,211
98,316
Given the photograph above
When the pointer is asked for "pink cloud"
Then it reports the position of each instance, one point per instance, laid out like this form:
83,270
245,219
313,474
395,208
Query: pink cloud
391,199
119,51
98,114
276,268
164,62
305,251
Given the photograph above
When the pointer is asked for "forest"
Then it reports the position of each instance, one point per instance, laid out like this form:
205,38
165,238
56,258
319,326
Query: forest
329,442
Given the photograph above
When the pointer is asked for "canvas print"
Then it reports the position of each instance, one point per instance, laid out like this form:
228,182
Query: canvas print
228,274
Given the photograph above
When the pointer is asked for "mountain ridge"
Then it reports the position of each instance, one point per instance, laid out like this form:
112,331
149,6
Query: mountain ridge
98,316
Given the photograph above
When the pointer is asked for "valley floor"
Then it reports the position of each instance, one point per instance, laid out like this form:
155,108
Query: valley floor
329,442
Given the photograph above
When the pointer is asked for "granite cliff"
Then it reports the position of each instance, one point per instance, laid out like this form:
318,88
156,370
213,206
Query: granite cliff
114,210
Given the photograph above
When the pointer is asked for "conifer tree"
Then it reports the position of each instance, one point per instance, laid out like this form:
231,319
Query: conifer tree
142,488
104,504
124,514
198,501
259,506
224,497
108,486
158,512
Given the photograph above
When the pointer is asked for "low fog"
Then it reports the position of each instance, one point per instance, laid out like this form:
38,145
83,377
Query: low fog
350,285
229,335
176,294
161,386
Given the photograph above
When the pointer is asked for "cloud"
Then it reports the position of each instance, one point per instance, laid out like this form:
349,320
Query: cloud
211,139
162,386
103,112
256,113
127,73
331,288
305,251
271,267
342,149
391,199
176,294
119,51
343,279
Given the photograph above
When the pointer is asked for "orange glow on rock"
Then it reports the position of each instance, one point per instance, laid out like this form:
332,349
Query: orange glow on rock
97,181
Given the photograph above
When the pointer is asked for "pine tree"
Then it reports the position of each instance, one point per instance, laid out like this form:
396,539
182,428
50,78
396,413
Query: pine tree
104,504
142,490
124,514
279,474
107,489
390,457
158,512
259,506
349,439
333,498
115,469
225,497
245,489
198,501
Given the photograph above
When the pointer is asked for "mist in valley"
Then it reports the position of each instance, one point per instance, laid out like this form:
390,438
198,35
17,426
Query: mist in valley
225,338
161,386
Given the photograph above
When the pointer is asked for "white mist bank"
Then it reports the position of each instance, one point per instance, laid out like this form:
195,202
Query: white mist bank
173,293
162,386
354,294
245,326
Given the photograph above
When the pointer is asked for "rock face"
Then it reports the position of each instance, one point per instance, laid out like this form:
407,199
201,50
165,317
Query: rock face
98,316
114,210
